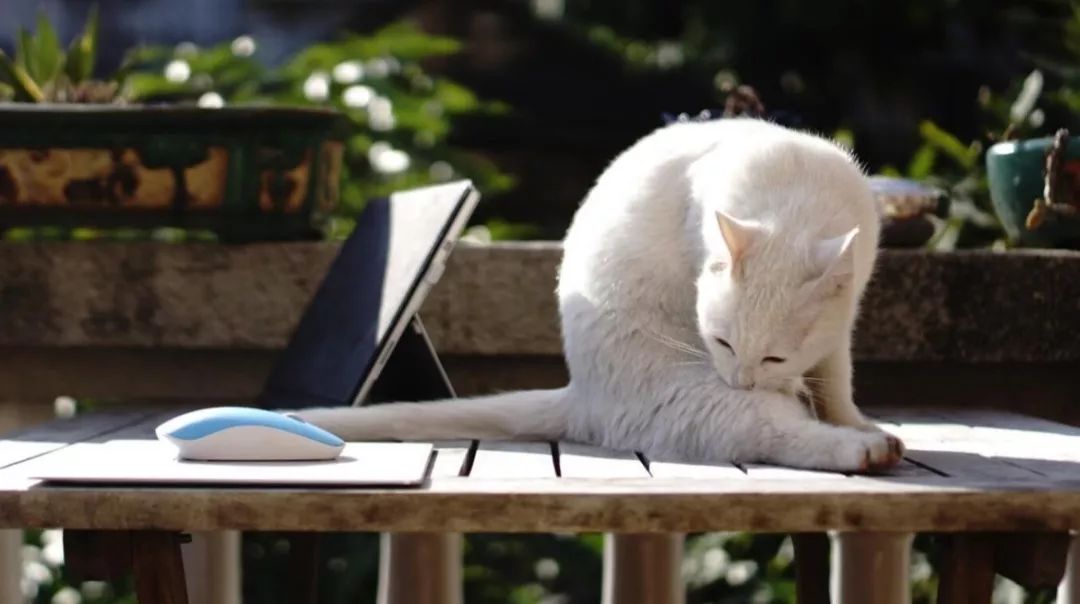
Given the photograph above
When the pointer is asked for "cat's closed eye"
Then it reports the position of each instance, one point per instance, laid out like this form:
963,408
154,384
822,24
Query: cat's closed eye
773,360
724,343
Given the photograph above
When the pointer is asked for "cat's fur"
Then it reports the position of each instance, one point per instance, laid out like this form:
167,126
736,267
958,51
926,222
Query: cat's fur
735,229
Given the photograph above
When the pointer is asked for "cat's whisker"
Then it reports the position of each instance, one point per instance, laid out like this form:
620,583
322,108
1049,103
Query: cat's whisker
676,344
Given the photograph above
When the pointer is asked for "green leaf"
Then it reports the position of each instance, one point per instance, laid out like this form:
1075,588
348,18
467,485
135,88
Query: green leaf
23,86
454,97
24,52
82,54
151,86
948,144
922,163
46,49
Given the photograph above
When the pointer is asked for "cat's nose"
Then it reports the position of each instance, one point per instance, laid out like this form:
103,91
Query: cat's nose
743,379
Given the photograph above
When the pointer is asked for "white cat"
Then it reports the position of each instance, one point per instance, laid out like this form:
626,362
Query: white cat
710,279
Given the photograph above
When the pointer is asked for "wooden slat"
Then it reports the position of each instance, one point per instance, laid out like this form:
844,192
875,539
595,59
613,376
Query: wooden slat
812,552
451,458
513,487
769,472
496,459
973,444
159,568
675,469
559,505
583,461
967,569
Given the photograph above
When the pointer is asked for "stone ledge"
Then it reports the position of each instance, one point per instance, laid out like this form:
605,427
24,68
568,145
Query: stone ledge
498,300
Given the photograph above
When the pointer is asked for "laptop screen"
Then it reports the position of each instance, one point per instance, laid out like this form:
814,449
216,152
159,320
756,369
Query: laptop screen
366,296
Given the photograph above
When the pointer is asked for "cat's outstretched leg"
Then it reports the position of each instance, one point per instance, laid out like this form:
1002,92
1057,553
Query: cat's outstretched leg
830,382
789,436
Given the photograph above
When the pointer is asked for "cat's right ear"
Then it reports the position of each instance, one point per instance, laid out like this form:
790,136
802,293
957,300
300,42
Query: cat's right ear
736,234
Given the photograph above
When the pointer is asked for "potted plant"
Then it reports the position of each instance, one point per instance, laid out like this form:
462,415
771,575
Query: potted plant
1035,187
74,152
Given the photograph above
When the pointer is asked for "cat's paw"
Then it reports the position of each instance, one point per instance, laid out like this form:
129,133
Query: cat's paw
871,451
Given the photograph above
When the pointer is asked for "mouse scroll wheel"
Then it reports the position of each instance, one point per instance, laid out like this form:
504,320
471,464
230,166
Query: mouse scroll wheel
295,416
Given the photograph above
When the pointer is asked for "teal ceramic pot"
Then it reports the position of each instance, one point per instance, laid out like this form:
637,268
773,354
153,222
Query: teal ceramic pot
1017,175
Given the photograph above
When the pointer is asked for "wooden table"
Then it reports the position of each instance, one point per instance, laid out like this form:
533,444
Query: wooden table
966,472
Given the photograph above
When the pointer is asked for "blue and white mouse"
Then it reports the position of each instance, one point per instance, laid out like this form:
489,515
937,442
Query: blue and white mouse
247,434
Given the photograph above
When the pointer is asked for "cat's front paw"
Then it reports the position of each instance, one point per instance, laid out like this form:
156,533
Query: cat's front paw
871,451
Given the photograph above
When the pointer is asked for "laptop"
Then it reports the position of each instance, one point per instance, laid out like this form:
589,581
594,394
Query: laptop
369,297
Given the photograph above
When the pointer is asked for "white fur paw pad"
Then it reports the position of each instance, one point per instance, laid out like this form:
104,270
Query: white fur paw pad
885,452
874,452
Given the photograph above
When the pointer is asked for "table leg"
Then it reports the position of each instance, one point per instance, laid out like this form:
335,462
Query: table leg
212,562
159,567
811,567
643,569
967,569
1069,591
872,567
11,566
420,568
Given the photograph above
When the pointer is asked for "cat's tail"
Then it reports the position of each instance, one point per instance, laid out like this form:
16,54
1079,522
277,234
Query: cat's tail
522,415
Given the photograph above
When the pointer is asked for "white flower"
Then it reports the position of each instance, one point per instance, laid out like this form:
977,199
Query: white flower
211,100
546,569
441,171
386,159
348,72
549,9
1029,95
36,572
67,595
381,114
64,407
357,96
725,80
94,590
669,54
317,87
186,49
1037,118
53,554
378,68
177,71
243,46
740,572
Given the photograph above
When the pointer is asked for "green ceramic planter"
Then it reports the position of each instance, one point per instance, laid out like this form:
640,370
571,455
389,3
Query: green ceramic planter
1017,176
246,173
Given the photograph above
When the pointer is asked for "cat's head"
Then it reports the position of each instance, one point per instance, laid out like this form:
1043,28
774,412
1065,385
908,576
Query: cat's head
769,308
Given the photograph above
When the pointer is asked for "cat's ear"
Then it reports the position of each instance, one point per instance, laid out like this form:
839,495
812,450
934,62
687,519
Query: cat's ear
737,235
835,259
836,256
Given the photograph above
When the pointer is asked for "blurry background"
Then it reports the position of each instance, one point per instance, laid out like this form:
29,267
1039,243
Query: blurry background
574,81
532,98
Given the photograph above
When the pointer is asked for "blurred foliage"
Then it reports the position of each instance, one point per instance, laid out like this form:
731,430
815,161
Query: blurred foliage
403,116
43,72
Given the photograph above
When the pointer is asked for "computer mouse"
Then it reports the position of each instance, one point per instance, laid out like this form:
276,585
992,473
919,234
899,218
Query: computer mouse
247,434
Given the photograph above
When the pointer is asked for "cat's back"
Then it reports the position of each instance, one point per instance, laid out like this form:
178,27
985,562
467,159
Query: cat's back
782,178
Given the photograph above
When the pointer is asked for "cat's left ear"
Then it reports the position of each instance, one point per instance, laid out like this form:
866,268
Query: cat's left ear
737,235
835,258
